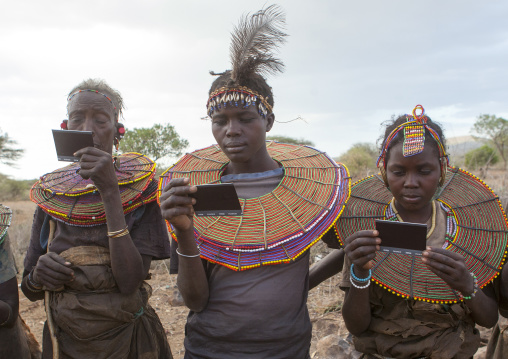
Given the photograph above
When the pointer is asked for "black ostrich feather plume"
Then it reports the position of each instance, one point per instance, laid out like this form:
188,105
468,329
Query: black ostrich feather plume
254,41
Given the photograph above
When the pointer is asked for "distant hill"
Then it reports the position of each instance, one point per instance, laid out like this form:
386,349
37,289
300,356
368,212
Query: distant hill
460,145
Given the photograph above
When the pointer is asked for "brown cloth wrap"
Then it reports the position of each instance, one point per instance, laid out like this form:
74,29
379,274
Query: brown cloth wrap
497,347
96,321
498,342
402,328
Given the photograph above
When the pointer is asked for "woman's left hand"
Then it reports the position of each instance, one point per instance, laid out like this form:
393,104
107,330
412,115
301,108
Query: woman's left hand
450,267
98,166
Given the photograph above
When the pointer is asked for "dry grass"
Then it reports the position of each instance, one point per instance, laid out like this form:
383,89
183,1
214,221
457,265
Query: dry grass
327,296
324,303
497,181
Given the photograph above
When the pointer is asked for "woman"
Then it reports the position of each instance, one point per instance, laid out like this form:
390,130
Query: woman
403,306
248,291
15,341
95,232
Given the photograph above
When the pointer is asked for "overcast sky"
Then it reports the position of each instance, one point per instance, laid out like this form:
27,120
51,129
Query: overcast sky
350,65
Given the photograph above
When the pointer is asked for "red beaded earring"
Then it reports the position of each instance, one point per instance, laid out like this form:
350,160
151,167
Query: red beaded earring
120,132
63,125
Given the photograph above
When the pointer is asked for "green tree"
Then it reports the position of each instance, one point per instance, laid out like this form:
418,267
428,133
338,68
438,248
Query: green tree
157,142
360,159
495,129
8,154
292,140
481,157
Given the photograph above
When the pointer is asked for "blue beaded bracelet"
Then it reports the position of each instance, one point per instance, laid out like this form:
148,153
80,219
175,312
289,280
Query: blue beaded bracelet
360,279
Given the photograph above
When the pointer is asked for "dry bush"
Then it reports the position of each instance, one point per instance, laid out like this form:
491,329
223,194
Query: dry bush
14,190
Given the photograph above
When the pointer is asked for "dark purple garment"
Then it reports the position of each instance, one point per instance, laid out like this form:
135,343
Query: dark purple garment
257,313
146,226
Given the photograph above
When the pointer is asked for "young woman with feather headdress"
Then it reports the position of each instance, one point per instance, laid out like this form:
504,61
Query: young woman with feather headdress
245,278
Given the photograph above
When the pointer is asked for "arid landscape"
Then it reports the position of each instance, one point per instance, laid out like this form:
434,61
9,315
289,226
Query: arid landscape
329,336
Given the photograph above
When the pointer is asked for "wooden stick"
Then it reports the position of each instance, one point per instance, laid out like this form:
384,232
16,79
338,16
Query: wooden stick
47,299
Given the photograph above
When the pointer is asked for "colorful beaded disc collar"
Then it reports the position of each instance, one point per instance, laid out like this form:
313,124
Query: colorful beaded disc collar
66,196
5,221
477,228
276,227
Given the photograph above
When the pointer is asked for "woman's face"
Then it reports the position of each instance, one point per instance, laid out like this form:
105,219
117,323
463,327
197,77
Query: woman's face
89,111
241,132
413,180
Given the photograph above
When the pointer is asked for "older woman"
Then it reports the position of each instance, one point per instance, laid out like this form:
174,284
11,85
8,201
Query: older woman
95,232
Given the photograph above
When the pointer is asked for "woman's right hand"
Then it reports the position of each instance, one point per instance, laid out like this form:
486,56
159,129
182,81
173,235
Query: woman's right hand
361,248
52,271
176,205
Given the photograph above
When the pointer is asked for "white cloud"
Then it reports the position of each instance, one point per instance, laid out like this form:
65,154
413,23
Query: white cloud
349,65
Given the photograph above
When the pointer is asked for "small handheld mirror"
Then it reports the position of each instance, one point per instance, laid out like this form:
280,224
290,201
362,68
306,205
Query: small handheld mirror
402,237
216,200
67,142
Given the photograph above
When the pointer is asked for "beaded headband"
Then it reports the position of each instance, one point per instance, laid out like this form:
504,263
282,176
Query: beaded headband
252,52
414,141
236,96
71,96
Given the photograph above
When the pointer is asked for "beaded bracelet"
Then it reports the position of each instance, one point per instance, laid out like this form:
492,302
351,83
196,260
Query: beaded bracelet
32,283
475,288
119,233
33,290
361,280
188,256
114,233
8,317
359,286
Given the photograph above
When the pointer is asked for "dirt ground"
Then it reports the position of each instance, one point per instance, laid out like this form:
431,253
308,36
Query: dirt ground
324,302
325,297
324,307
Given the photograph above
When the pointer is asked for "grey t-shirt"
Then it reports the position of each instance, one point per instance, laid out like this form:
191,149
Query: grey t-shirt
257,313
